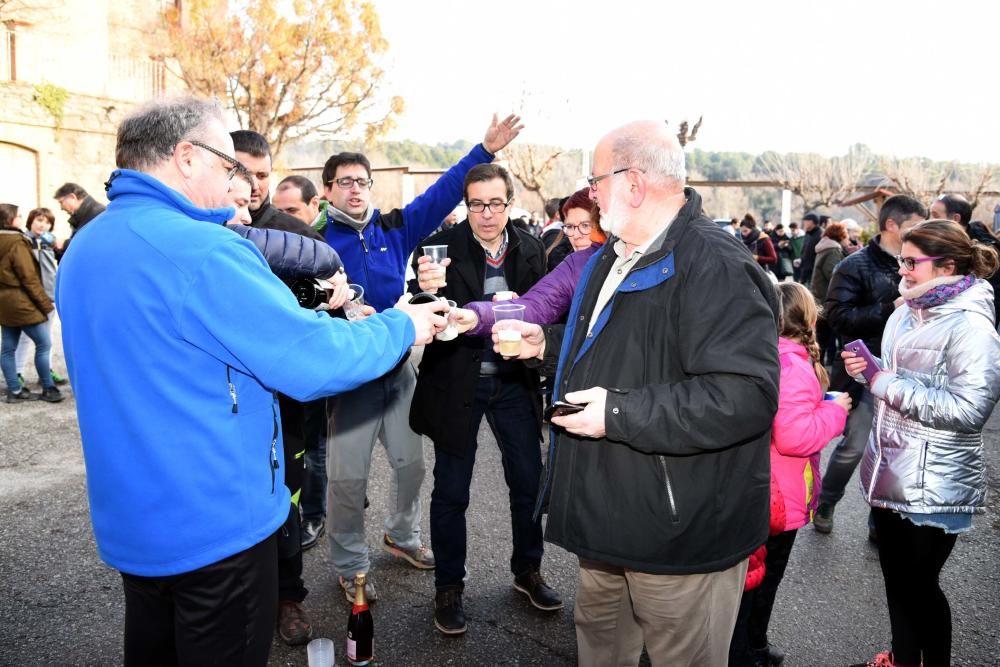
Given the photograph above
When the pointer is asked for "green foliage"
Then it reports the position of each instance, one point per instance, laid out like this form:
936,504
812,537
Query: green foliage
53,99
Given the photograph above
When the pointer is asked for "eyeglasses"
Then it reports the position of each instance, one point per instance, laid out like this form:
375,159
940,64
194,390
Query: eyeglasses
231,160
594,180
583,228
346,182
910,263
477,206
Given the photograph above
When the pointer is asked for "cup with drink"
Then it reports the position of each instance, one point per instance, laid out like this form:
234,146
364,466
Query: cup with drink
354,306
450,332
437,253
509,317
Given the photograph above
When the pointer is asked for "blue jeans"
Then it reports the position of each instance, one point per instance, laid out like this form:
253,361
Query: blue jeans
39,334
848,452
313,498
508,409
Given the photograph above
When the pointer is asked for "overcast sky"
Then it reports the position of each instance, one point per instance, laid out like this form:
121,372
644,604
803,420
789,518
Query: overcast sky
905,78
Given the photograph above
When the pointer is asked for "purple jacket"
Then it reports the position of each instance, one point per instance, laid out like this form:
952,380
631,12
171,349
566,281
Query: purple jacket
547,301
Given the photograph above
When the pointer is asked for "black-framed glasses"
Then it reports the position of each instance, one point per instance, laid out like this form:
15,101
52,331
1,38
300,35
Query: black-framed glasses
346,182
594,180
231,160
583,228
910,263
496,206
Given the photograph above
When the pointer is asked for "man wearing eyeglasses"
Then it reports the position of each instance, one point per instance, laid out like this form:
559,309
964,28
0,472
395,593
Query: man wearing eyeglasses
374,247
176,335
863,292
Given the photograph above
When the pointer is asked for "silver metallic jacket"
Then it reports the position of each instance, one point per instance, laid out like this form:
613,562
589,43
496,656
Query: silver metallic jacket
925,451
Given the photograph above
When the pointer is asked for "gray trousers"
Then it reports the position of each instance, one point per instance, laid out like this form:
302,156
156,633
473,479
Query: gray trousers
379,409
848,452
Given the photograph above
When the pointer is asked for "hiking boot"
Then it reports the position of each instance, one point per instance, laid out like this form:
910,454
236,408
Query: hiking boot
22,396
823,519
883,659
449,616
52,395
312,530
371,595
294,627
58,379
775,656
542,596
420,557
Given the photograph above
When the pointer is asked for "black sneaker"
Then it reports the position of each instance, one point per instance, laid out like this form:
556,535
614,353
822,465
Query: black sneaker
22,396
52,395
449,616
312,530
823,519
542,596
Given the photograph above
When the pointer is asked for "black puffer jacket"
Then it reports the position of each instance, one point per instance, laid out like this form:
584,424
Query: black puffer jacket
859,302
978,232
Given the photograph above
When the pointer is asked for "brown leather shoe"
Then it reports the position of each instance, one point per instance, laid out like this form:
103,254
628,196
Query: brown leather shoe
293,623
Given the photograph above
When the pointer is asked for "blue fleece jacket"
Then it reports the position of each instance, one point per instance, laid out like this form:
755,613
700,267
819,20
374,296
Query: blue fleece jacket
376,257
176,333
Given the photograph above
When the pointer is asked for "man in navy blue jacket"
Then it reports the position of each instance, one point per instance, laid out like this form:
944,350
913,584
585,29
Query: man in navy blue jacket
374,247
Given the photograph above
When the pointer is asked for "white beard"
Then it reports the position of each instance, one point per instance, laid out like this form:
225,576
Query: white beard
615,219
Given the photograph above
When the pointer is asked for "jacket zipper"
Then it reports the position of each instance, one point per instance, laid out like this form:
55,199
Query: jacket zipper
273,463
232,390
670,490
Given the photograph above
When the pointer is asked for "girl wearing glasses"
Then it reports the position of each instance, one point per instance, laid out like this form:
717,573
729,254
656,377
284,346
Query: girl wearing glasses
923,471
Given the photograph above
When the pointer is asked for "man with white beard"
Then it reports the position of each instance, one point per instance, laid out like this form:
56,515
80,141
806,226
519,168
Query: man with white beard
660,485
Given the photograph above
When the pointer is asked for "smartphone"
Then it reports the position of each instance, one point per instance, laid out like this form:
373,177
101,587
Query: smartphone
859,348
561,409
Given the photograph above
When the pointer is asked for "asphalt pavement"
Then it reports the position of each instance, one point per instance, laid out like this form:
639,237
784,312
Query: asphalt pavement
59,605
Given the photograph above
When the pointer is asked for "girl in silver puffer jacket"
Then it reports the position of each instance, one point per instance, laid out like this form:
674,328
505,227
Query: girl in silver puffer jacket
923,471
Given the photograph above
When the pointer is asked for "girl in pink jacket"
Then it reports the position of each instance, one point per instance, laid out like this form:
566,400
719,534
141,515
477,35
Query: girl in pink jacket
803,425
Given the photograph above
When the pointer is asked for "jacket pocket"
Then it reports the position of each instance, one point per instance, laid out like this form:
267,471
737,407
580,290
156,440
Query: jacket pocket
669,488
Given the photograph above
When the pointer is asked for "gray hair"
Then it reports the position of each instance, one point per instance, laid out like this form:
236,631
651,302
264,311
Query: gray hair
149,134
648,148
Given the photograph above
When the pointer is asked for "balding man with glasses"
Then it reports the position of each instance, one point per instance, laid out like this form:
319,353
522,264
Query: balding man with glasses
374,247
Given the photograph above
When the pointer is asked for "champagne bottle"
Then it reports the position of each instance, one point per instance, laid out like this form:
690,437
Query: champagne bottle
360,628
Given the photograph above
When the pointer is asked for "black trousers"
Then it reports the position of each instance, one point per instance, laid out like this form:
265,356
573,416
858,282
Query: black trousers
220,614
912,557
779,548
291,587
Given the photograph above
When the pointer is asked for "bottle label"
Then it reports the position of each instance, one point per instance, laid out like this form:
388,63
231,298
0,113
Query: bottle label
352,653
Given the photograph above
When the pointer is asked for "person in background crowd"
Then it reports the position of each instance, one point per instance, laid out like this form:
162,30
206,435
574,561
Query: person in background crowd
82,208
812,235
958,209
296,195
374,247
862,294
829,252
758,243
923,471
157,277
39,232
853,235
674,422
803,425
783,248
796,239
557,246
24,308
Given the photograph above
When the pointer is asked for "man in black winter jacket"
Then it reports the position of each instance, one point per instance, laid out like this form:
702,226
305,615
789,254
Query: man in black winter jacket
82,208
863,292
810,224
661,484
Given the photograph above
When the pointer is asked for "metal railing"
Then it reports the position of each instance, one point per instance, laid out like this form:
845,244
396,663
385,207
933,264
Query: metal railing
135,78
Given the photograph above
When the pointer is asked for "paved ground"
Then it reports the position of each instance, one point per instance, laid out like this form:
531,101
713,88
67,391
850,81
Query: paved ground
59,605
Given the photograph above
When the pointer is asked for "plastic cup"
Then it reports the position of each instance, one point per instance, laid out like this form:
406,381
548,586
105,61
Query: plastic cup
504,295
320,653
437,253
451,331
509,317
353,306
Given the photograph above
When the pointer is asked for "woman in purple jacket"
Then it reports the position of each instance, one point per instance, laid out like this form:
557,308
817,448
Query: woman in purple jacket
548,301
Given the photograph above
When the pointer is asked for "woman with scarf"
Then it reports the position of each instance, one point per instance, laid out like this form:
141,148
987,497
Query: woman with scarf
923,471
758,243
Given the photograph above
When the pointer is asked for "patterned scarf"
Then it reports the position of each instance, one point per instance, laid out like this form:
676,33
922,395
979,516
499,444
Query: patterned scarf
939,294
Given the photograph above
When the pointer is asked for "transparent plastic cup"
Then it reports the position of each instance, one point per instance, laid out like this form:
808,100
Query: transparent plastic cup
509,317
353,306
451,331
320,653
437,253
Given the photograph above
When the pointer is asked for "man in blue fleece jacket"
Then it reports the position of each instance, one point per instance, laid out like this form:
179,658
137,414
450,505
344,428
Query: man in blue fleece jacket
374,247
164,312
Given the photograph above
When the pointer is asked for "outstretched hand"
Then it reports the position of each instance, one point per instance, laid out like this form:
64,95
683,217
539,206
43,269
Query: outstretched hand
501,133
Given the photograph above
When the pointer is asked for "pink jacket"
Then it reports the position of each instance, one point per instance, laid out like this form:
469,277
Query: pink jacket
803,425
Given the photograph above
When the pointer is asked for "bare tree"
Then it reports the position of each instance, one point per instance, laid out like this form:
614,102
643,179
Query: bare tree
818,180
533,165
685,137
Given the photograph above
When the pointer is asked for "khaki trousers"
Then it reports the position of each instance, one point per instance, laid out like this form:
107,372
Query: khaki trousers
682,619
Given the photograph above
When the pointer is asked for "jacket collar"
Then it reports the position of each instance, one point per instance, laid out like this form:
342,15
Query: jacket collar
789,346
878,255
126,182
677,229
827,243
